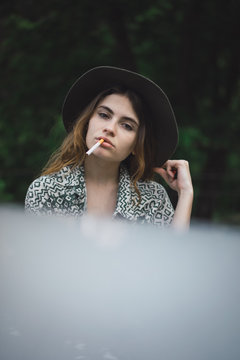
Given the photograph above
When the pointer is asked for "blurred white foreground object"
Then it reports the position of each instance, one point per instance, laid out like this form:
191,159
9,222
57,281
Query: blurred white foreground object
101,290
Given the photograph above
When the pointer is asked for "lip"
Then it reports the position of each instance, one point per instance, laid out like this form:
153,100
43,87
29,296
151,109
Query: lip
106,140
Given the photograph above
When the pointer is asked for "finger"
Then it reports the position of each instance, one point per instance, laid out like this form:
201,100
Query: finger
162,172
171,170
159,170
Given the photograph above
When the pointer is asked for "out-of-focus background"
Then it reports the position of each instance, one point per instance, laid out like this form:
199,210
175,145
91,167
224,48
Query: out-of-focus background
189,47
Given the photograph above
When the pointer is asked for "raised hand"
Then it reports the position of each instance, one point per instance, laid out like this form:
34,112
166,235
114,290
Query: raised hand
176,173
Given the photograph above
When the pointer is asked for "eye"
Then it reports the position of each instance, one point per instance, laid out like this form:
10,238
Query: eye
103,115
127,126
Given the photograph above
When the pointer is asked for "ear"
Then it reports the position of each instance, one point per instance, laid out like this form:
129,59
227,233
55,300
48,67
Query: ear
133,153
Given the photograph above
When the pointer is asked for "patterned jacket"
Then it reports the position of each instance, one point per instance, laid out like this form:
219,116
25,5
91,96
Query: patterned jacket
64,193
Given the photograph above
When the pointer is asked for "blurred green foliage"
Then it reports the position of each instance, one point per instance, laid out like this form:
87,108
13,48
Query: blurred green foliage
190,48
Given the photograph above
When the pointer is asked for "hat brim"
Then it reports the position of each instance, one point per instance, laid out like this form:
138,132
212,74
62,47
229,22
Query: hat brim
101,78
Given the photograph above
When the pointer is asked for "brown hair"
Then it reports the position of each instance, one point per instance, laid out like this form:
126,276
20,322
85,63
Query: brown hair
72,152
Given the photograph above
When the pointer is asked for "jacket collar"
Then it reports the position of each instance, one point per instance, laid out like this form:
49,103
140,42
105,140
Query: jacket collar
127,199
73,180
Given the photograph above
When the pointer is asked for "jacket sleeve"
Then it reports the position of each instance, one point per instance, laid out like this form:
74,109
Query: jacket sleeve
156,205
37,198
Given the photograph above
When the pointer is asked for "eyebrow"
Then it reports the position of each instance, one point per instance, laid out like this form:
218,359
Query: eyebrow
124,117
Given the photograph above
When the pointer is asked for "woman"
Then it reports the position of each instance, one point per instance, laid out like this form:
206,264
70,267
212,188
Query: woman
134,120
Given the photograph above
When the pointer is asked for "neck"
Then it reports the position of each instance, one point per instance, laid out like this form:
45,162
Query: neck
101,171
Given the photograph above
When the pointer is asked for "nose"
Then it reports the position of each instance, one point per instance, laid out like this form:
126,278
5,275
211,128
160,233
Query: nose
110,130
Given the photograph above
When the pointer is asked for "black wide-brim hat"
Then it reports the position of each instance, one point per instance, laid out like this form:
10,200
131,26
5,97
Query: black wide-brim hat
161,116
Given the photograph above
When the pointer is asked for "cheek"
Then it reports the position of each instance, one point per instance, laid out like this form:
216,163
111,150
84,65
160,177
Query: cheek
130,144
133,141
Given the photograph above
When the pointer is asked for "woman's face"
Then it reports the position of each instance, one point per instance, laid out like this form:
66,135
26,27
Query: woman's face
116,122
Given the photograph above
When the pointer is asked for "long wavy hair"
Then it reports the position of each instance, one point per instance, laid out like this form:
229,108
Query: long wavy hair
72,152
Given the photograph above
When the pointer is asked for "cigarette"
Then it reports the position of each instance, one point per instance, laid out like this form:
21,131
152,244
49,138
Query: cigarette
94,147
